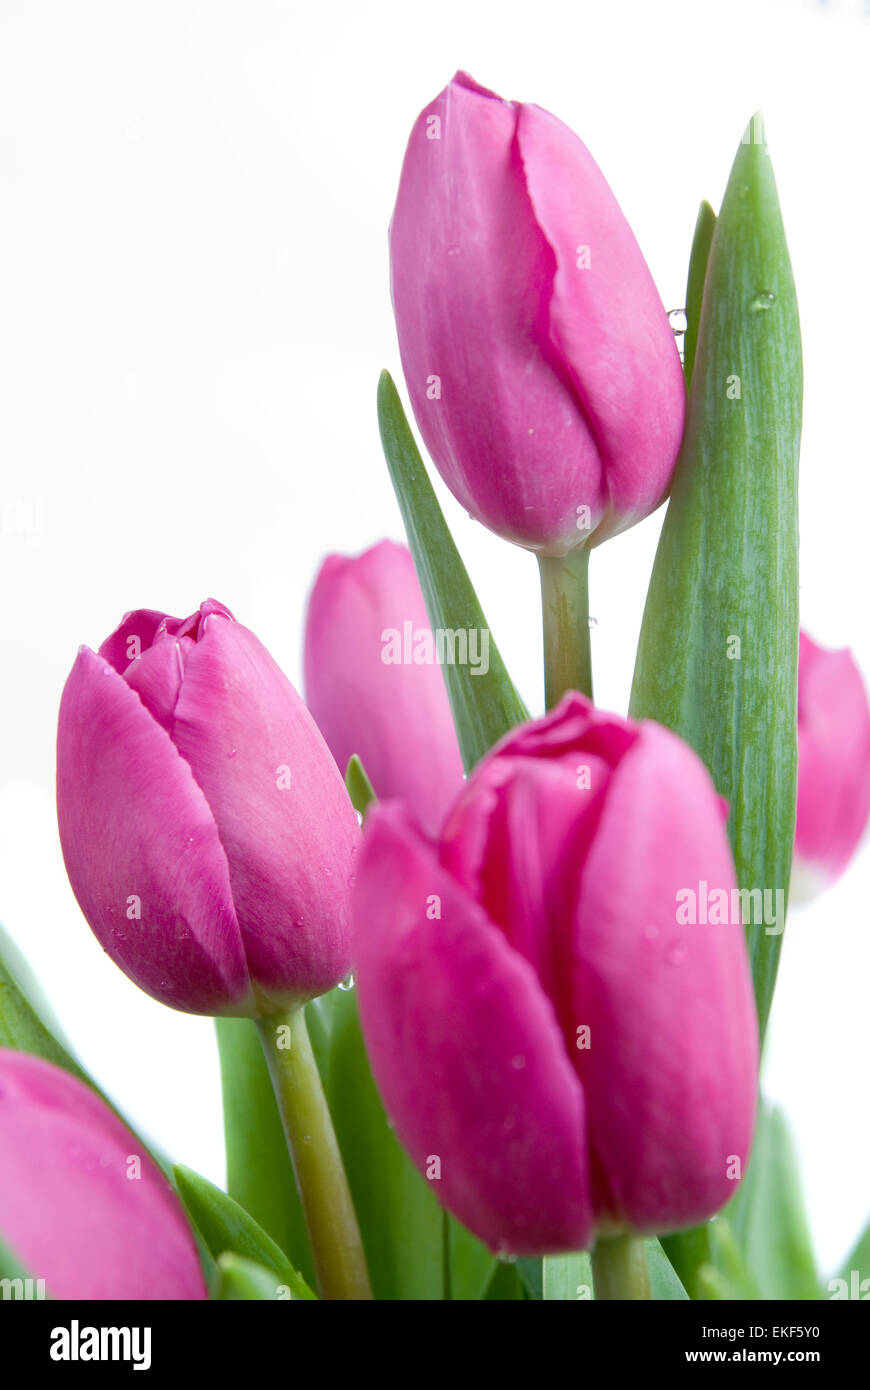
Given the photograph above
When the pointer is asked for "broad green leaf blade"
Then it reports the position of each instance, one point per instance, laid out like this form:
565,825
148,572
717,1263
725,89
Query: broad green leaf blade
259,1172
506,1285
701,242
857,1267
399,1217
717,659
472,1264
568,1278
359,788
531,1272
224,1225
485,705
241,1280
22,1284
22,1011
689,1252
767,1215
664,1282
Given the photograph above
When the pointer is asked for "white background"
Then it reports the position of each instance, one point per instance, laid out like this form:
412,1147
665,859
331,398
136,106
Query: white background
193,314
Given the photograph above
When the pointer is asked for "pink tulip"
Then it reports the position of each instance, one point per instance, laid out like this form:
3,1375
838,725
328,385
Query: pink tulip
559,1053
394,714
833,803
81,1206
206,830
540,362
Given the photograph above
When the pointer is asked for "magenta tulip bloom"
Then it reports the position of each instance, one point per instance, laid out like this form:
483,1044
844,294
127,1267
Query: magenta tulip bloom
205,827
562,1051
539,359
833,805
81,1206
367,687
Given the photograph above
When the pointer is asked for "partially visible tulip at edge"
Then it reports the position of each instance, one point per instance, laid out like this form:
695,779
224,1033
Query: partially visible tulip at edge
367,687
205,827
82,1208
539,359
833,805
564,1048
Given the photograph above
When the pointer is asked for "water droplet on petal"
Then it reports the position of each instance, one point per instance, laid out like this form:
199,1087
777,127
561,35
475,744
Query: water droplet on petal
232,753
519,1062
675,955
678,320
347,983
651,931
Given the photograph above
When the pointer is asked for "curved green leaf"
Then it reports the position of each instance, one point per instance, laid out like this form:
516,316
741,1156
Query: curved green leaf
225,1226
485,705
242,1280
259,1171
717,659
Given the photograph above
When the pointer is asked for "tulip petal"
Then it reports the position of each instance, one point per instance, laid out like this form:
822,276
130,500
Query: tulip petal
393,712
286,823
73,1206
133,635
670,1075
142,850
466,1050
469,264
833,802
606,320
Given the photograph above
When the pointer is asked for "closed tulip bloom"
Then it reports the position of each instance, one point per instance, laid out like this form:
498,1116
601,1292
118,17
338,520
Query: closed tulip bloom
539,359
833,805
560,1052
393,712
205,827
81,1206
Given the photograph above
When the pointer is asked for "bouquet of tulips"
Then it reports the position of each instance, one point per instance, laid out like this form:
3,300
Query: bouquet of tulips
490,989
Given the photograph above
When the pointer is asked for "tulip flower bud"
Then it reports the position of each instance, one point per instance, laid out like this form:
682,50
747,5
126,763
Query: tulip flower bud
372,680
206,830
539,359
833,804
82,1208
561,1025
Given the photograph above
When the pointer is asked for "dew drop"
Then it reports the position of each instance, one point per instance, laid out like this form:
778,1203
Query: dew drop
678,320
763,300
347,983
519,1062
232,753
676,955
453,250
593,622
651,931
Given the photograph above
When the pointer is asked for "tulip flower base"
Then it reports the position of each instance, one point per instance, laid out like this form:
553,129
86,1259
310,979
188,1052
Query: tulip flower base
472,1047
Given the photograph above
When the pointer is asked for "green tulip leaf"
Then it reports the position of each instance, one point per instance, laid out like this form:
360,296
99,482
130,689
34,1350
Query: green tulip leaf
259,1171
398,1214
241,1280
26,1021
700,255
664,1282
225,1226
359,788
768,1218
17,1282
853,1279
485,704
568,1278
717,659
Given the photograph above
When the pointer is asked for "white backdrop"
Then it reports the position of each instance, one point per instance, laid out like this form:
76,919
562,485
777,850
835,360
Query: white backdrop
193,314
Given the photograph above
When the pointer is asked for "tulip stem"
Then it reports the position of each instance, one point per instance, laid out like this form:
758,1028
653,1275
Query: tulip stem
336,1245
565,604
619,1268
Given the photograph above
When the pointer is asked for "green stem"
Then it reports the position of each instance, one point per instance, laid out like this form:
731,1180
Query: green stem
329,1215
565,605
619,1268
